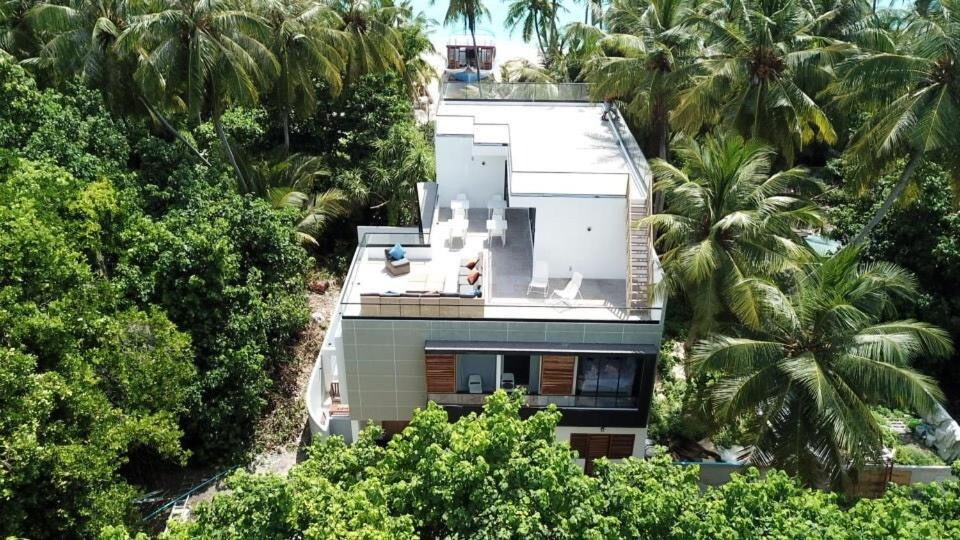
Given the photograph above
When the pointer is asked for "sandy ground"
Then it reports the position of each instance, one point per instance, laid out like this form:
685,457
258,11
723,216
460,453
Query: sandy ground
284,430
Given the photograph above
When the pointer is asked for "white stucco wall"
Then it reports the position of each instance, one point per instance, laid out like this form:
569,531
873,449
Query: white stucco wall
579,234
459,171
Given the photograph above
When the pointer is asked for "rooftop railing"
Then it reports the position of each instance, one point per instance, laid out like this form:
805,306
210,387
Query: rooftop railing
506,91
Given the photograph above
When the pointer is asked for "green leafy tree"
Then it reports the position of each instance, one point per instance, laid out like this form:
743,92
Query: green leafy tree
32,122
759,73
225,269
913,96
494,475
805,379
84,382
728,226
466,479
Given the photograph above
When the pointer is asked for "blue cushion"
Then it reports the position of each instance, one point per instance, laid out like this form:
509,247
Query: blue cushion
397,252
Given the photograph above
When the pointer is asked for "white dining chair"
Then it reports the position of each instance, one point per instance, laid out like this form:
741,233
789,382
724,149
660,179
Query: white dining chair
496,205
497,228
458,231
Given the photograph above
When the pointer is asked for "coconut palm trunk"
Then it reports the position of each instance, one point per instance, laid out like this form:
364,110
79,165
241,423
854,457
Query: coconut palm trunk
472,23
286,132
173,131
222,135
916,158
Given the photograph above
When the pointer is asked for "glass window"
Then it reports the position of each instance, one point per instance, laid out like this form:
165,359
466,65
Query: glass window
607,377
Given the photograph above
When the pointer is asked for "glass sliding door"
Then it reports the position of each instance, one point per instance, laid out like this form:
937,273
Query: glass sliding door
607,381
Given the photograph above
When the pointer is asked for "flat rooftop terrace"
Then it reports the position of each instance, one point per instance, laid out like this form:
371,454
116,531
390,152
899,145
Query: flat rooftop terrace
547,137
435,268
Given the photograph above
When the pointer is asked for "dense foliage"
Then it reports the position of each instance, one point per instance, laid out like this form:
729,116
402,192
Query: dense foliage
160,164
811,81
494,475
922,235
141,310
815,366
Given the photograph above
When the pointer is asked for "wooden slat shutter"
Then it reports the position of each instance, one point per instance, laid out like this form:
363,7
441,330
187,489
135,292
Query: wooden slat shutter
557,374
621,446
578,442
441,374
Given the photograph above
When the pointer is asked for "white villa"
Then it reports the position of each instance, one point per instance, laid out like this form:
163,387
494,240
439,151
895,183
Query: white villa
526,269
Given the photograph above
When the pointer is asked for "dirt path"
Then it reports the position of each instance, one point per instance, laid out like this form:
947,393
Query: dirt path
283,430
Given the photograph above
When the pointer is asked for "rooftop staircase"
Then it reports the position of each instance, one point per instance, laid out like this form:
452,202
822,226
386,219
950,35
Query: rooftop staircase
638,243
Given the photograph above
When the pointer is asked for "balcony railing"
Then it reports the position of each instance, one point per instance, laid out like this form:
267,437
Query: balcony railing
505,91
586,402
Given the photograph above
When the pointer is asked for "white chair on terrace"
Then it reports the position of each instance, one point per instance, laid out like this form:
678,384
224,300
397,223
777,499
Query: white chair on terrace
497,213
458,230
460,206
496,205
507,382
497,227
540,278
571,292
474,384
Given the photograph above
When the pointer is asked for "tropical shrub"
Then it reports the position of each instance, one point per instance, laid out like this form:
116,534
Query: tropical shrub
84,378
494,475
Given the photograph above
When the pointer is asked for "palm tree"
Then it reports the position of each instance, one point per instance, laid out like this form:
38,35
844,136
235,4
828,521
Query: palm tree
17,37
592,12
468,12
804,381
530,16
293,183
306,43
523,70
202,56
80,38
373,41
651,51
415,48
760,70
728,225
913,93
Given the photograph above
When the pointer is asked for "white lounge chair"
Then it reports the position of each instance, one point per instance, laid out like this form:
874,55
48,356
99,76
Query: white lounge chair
475,384
540,278
571,292
507,382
